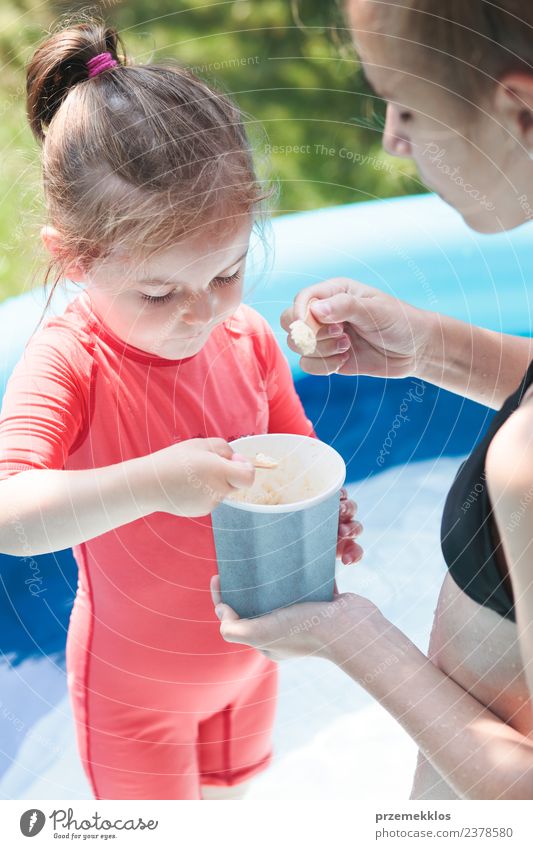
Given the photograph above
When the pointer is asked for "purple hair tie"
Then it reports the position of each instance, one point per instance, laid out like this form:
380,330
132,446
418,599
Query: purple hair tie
99,63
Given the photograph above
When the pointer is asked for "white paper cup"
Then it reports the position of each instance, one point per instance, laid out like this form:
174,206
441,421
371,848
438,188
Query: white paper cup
273,555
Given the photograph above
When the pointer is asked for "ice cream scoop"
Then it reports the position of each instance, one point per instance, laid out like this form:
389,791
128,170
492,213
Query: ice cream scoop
263,461
304,332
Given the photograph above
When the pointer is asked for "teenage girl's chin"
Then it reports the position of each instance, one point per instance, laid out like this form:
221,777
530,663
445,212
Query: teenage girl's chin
485,221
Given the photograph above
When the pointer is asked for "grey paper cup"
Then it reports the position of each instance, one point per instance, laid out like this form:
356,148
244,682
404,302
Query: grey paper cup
273,555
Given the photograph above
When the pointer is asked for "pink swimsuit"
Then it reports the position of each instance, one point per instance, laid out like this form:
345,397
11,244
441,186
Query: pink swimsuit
162,704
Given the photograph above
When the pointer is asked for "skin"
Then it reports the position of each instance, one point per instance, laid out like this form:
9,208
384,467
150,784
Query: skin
468,702
203,277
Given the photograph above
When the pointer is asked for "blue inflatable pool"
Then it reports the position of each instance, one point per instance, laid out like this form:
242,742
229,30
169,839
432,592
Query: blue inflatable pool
415,248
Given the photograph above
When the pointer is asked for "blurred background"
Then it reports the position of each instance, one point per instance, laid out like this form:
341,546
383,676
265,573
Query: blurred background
313,121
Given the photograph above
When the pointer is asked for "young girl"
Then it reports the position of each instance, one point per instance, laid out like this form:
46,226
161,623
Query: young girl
115,424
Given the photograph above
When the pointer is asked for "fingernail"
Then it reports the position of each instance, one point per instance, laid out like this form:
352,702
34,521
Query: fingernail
240,458
335,329
322,308
343,344
218,611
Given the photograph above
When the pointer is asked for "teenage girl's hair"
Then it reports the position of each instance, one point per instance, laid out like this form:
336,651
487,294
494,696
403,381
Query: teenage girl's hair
465,45
136,157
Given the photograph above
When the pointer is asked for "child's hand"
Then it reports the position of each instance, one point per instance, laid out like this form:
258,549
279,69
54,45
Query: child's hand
347,549
190,478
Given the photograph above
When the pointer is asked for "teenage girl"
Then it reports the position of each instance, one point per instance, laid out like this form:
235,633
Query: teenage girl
115,424
457,77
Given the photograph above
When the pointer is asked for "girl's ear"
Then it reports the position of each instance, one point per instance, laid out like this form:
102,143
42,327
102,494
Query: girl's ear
513,102
53,243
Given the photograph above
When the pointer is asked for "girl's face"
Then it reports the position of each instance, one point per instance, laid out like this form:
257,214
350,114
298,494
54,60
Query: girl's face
472,155
170,304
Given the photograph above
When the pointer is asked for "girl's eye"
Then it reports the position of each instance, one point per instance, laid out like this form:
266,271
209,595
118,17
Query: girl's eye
227,281
218,281
156,300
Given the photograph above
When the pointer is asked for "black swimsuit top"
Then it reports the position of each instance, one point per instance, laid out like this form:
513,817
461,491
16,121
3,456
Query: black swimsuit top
469,537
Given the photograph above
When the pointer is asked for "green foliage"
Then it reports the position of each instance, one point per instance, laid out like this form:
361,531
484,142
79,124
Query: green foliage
313,121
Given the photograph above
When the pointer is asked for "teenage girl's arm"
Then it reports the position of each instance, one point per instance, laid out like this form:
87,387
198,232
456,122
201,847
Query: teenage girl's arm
389,338
476,753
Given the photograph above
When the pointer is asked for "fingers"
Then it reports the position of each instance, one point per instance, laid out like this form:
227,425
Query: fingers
301,305
233,629
286,318
329,345
226,613
220,447
239,474
349,551
322,366
347,507
326,289
340,307
350,529
214,586
347,510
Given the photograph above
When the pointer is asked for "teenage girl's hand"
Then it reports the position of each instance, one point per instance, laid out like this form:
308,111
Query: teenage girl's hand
190,478
348,628
364,330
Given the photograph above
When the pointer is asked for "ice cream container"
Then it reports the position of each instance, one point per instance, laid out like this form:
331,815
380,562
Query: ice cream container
276,542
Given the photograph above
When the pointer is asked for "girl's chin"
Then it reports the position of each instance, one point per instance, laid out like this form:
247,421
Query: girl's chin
174,349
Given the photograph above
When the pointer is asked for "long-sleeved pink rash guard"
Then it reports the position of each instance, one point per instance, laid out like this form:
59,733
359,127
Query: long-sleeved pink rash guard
162,704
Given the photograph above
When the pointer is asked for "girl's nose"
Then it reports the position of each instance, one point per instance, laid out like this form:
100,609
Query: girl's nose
395,138
198,308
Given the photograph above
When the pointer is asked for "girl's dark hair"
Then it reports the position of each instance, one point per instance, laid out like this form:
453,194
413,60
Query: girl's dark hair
136,157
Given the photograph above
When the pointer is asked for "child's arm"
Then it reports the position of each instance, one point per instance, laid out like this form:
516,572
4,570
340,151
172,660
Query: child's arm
43,510
45,507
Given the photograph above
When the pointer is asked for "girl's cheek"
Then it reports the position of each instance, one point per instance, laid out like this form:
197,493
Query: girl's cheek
229,298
